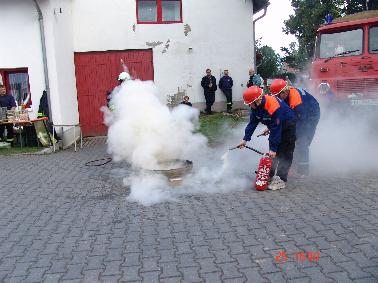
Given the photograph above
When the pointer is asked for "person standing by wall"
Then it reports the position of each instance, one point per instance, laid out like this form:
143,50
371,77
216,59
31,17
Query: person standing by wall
209,84
225,84
6,100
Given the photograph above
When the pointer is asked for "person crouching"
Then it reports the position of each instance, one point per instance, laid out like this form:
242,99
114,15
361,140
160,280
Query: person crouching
307,115
279,119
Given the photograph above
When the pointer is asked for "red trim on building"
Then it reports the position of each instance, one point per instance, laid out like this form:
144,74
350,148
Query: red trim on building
159,12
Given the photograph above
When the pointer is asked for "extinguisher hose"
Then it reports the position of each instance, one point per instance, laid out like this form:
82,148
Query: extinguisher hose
255,150
250,148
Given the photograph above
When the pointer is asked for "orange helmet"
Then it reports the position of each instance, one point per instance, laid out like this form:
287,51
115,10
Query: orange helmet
251,94
277,86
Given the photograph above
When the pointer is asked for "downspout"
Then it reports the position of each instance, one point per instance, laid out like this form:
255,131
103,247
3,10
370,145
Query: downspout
44,56
254,35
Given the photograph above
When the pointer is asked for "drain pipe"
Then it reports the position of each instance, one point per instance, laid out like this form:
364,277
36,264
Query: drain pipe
44,56
254,35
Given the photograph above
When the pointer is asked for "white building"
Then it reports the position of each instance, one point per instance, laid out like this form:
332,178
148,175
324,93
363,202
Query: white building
171,42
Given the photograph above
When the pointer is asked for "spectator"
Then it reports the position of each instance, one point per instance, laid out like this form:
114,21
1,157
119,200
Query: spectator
225,84
185,101
6,100
209,84
254,79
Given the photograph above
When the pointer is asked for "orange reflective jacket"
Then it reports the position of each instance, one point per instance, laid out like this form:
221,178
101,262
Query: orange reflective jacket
294,98
271,104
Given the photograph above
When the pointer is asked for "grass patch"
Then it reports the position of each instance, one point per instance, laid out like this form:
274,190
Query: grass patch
215,126
19,150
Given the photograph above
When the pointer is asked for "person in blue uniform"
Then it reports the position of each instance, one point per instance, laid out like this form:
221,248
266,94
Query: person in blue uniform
225,84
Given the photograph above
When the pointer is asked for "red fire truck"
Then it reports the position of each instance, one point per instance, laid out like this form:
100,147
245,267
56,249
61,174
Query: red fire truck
345,64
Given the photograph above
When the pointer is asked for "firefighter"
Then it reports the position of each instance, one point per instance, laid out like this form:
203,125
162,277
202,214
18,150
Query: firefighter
325,93
280,120
122,77
307,114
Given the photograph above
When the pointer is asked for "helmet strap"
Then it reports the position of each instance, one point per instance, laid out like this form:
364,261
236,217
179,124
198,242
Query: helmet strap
261,95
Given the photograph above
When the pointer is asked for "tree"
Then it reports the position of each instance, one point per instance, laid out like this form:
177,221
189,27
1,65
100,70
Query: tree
294,56
269,63
355,6
309,15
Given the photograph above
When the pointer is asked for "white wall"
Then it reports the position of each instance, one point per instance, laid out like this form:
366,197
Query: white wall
221,37
59,37
21,47
20,44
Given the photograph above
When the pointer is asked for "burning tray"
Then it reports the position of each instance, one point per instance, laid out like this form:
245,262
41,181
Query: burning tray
174,170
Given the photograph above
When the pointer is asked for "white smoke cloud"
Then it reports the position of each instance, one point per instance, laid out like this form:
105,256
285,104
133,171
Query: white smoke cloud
148,189
144,132
344,143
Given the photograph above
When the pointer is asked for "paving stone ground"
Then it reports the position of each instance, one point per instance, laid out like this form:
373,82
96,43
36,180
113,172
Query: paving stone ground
62,221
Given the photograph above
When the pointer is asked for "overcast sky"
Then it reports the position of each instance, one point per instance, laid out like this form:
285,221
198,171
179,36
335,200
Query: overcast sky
270,27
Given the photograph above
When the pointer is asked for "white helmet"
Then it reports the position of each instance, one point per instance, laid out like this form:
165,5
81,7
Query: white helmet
124,76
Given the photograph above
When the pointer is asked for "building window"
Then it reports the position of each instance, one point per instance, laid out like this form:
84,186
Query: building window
159,11
147,11
16,82
171,11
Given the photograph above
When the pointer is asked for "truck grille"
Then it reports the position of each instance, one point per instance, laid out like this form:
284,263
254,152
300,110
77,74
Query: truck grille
367,87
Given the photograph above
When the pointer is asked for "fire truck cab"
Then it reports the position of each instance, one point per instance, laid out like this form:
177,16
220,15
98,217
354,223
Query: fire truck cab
345,62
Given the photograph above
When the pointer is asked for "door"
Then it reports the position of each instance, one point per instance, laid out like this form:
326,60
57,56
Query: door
96,75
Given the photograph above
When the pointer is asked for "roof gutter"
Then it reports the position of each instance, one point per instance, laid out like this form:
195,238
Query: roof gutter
44,56
254,34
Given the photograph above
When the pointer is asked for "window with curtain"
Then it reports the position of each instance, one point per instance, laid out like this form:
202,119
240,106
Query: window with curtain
18,86
171,10
147,11
159,11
